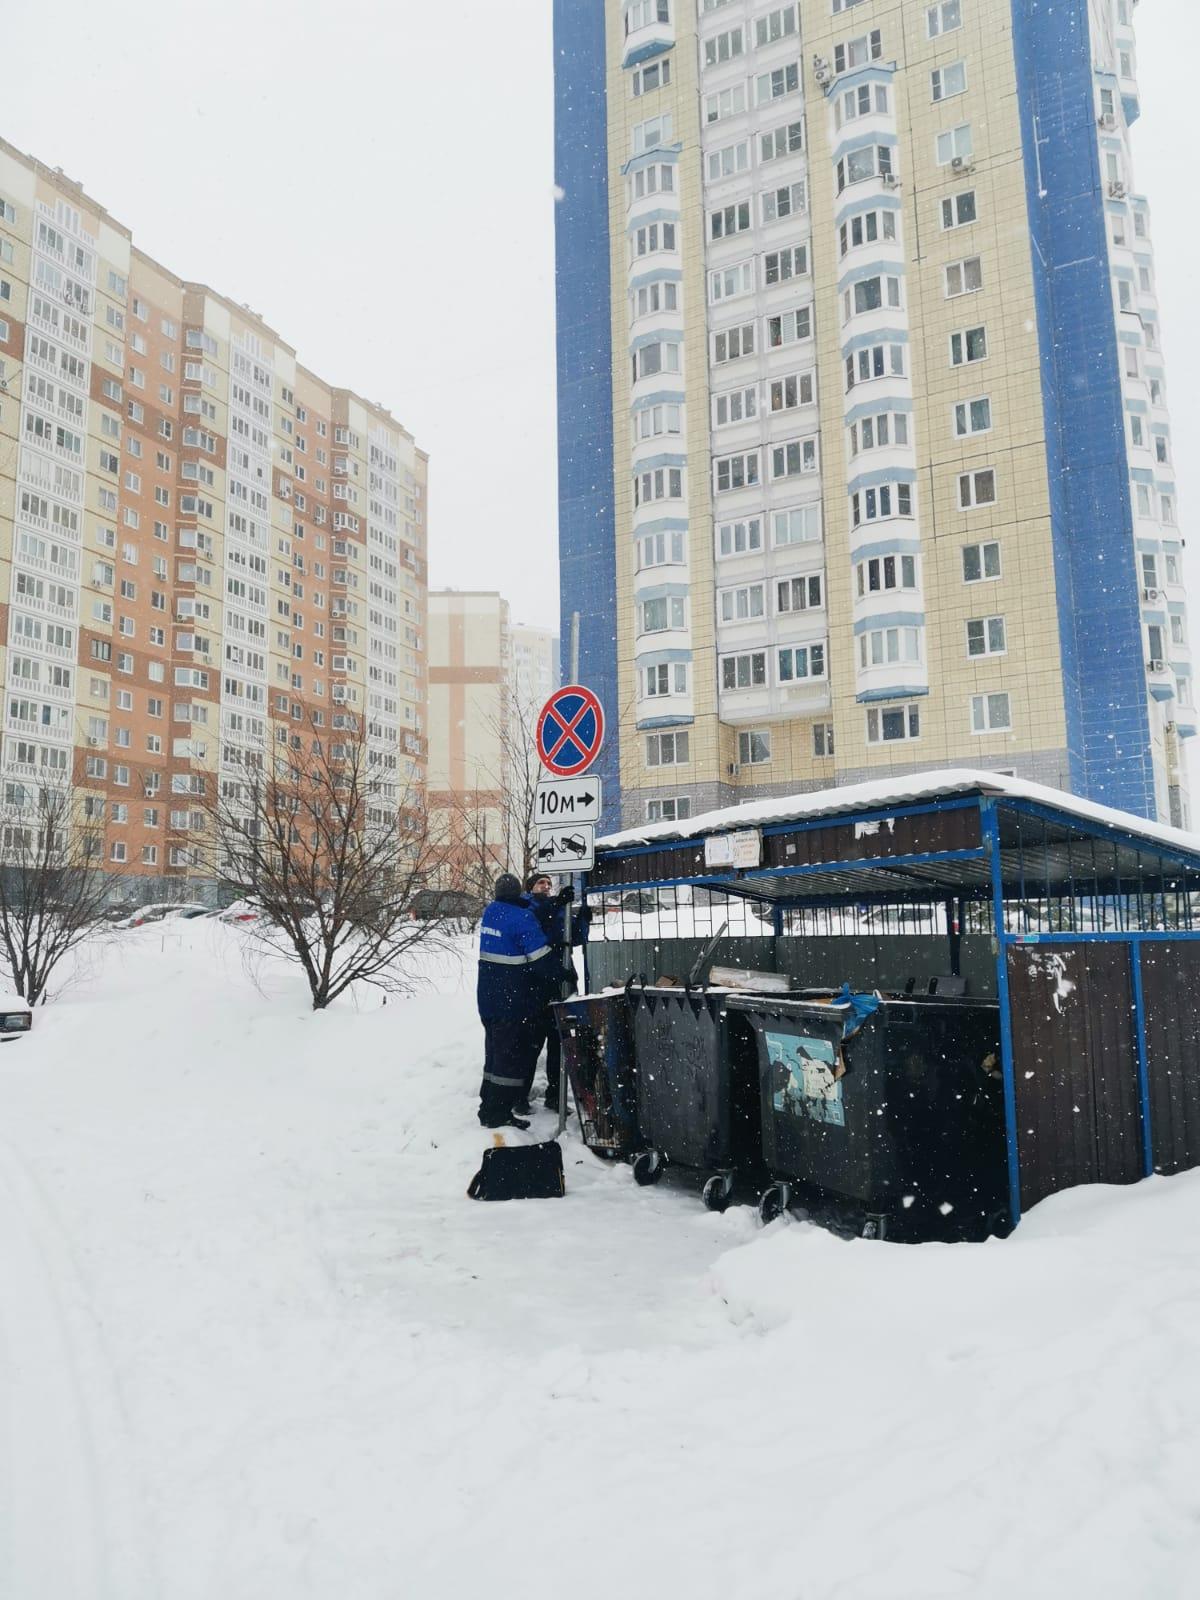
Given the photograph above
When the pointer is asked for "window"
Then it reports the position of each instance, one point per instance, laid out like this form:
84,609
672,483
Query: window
780,266
870,294
789,327
732,343
674,809
654,75
822,739
726,103
872,505
642,13
886,725
874,361
735,472
977,489
725,221
981,561
734,405
724,47
654,358
788,201
967,346
954,145
657,236
786,394
653,297
662,613
739,538
782,141
799,594
754,747
744,671
649,422
744,604
726,283
990,713
857,52
665,678
794,457
776,84
659,483
943,18
866,229
801,661
774,26
860,102
875,161
959,209
725,163
796,525
964,277
886,647
667,750
649,135
946,82
873,433
985,636
881,573
972,416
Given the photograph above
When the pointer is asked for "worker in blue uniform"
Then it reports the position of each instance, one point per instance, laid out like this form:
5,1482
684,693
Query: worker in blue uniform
515,984
550,909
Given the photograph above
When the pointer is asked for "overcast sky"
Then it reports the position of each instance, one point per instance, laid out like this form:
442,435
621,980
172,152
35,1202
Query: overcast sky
377,180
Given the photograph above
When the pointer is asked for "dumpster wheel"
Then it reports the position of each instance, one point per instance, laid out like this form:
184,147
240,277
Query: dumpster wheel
717,1191
773,1202
647,1168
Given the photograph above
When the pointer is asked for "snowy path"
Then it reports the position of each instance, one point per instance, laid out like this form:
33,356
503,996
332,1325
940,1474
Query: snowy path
68,1518
255,1344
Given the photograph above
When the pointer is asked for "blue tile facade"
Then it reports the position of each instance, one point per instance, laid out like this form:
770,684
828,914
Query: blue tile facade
1108,730
586,539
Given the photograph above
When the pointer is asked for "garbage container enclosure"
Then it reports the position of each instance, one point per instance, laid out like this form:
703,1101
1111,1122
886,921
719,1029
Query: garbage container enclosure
597,1047
904,1120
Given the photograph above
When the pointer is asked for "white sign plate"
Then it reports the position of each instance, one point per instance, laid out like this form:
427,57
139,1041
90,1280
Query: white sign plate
567,800
742,849
566,847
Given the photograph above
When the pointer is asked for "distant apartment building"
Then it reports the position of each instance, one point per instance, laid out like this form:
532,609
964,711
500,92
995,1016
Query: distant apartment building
535,666
470,692
207,552
865,463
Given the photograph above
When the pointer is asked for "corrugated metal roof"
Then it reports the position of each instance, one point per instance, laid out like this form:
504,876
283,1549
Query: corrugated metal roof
886,793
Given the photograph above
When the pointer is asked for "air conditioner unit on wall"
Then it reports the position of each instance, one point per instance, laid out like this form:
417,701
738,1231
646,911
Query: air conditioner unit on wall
1107,121
1149,594
1156,666
1116,190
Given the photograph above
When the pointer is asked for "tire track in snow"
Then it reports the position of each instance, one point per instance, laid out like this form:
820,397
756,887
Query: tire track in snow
69,1517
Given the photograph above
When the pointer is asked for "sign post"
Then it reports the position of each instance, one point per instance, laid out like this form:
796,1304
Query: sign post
569,736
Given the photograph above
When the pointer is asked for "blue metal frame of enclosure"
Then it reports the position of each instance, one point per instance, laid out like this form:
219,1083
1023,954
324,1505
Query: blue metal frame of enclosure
750,883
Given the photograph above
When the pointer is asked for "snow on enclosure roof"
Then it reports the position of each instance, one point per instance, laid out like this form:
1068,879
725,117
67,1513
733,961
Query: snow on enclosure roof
881,793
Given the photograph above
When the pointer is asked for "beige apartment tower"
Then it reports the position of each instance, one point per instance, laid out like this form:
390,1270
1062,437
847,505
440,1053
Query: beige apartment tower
207,552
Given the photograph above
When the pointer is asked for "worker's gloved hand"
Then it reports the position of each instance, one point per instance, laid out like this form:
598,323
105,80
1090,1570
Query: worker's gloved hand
566,895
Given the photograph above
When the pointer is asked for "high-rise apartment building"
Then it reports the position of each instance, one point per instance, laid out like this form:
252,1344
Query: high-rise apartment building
535,672
470,693
206,551
865,461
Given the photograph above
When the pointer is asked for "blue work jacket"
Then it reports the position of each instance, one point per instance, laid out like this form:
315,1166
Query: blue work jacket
516,974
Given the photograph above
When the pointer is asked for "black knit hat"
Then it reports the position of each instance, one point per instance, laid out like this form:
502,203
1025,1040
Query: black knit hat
507,887
533,878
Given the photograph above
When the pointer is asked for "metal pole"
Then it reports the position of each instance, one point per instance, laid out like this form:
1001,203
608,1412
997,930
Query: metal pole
566,983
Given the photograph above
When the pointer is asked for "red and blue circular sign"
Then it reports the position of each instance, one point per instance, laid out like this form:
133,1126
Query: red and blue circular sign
570,731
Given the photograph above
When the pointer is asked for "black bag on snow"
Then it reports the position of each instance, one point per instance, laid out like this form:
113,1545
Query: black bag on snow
520,1172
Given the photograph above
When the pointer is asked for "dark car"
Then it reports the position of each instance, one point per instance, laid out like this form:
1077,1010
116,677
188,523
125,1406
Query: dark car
428,905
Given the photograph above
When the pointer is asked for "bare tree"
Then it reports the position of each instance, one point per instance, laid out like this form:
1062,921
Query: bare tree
334,853
53,893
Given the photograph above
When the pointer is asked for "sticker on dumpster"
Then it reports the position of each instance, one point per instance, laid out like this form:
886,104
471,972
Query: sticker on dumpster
803,1080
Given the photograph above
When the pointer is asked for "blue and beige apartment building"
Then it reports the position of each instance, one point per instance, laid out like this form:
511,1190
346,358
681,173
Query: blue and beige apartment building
864,452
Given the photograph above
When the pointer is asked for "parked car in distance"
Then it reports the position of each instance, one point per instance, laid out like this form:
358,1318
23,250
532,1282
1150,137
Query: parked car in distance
428,905
160,911
16,1018
239,911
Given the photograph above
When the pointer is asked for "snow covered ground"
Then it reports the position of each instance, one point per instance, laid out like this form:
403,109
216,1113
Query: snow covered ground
255,1344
